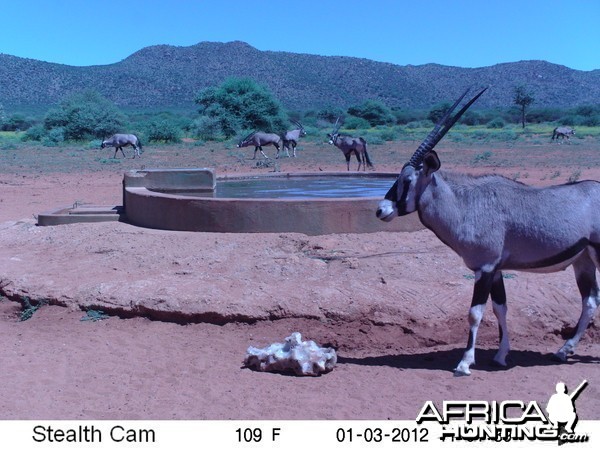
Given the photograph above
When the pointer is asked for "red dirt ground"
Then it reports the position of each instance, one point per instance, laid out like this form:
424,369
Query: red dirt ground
396,304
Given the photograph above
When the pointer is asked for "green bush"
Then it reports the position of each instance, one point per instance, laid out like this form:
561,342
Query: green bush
436,113
388,134
54,137
16,122
34,133
162,130
85,115
355,123
374,112
242,104
330,114
496,123
404,117
541,115
207,128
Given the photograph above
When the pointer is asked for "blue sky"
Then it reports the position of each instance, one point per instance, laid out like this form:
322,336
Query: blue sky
465,33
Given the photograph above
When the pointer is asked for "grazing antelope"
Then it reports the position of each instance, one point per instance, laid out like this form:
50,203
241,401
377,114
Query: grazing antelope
118,141
291,137
350,145
258,139
495,224
562,132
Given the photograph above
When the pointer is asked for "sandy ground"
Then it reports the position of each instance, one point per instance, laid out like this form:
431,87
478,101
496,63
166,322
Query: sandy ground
393,305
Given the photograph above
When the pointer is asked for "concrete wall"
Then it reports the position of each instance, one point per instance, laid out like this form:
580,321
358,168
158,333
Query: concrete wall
166,211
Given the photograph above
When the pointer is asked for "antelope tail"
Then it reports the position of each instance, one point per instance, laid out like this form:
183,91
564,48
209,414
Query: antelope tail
367,159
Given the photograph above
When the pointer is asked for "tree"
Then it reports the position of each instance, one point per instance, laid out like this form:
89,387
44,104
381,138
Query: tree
85,115
241,104
523,99
163,130
16,122
438,111
373,111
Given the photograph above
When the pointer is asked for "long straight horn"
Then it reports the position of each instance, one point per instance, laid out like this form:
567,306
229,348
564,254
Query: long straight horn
441,128
335,127
249,136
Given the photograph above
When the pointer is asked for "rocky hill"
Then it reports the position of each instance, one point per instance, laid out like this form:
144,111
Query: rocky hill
170,77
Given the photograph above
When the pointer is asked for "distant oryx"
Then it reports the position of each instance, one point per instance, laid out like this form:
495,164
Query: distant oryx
292,136
349,145
497,224
118,141
562,132
258,139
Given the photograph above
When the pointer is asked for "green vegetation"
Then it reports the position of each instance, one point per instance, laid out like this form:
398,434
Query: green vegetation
86,115
29,309
373,112
240,105
523,99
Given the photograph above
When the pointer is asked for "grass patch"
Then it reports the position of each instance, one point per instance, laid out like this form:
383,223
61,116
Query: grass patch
29,309
94,315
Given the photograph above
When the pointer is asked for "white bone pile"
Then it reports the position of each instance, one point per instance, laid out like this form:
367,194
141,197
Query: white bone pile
301,358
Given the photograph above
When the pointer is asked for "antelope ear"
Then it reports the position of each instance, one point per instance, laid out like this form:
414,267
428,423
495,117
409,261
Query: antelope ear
431,162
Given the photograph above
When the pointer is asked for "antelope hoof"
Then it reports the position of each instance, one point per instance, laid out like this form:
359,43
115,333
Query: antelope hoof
499,360
462,370
560,356
499,363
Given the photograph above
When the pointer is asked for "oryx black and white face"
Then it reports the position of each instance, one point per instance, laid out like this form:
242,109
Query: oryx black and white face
403,197
244,143
332,137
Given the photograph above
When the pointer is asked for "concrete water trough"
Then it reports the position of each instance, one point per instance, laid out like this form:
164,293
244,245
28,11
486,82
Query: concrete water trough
78,213
198,200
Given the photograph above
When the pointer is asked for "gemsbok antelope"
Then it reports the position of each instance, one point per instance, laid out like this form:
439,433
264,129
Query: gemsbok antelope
562,132
495,224
118,141
350,145
258,139
291,138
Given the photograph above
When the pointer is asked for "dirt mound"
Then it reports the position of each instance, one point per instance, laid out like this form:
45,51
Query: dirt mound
185,306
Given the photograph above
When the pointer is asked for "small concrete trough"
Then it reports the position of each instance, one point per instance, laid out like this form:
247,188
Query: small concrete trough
78,213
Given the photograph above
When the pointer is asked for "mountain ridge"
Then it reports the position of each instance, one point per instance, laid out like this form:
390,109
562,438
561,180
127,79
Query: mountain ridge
166,76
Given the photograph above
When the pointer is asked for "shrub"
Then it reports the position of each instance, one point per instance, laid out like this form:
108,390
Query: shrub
374,112
330,114
34,133
473,118
543,115
207,128
85,115
481,157
404,117
388,134
163,131
242,103
54,137
355,123
16,122
496,123
437,112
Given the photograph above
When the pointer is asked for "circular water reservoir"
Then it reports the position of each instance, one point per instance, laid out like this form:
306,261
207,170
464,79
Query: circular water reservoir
298,187
309,203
